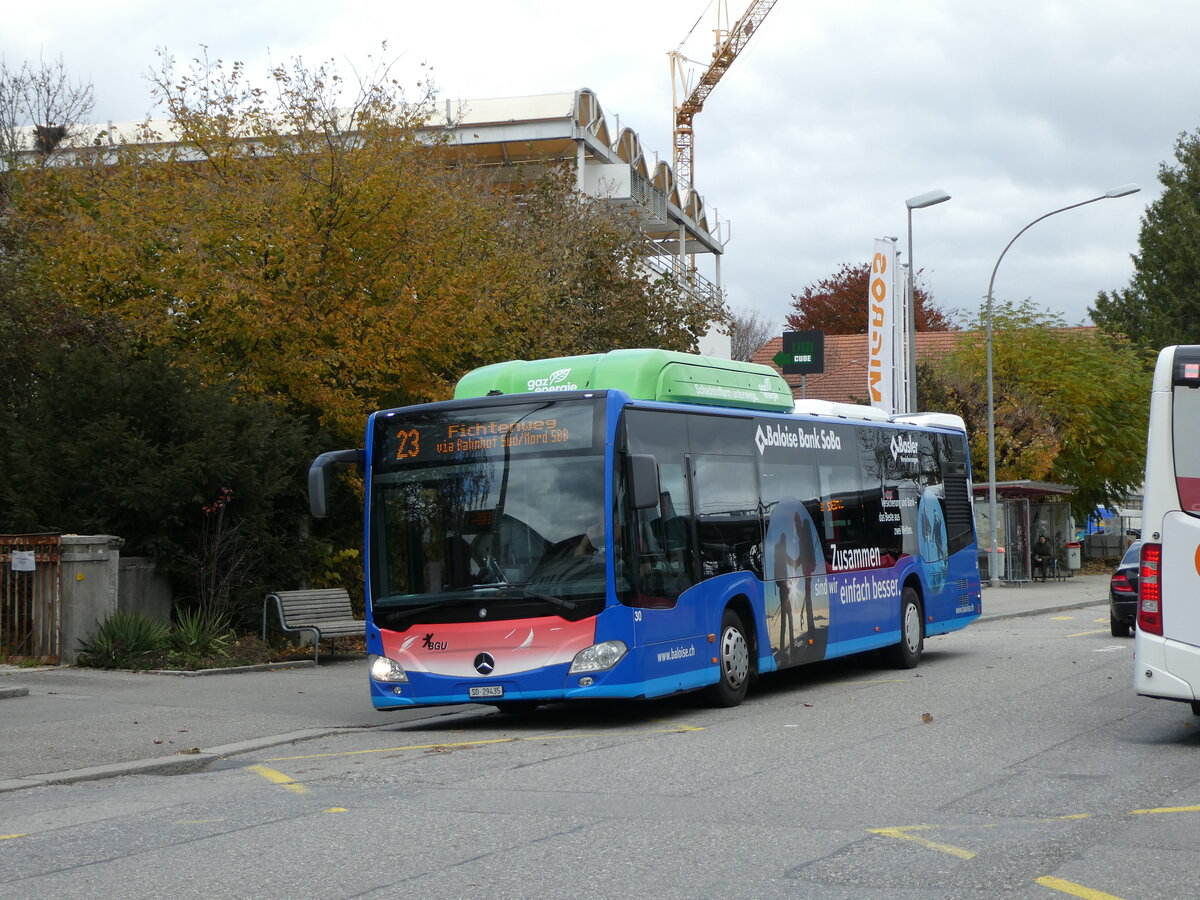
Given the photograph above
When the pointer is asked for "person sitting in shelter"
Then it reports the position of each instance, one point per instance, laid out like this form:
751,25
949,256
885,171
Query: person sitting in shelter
1041,557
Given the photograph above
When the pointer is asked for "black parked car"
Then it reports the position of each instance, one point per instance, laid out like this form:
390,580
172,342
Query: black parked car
1123,591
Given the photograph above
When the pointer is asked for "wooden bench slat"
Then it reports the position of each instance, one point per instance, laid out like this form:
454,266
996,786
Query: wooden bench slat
326,612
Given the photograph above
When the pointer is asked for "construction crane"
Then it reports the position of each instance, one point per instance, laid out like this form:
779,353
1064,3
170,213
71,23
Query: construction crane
729,43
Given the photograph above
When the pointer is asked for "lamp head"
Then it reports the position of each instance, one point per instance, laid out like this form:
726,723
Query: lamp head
1123,191
929,198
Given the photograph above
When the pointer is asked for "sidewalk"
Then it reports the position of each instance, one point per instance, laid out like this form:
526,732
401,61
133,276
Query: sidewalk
1030,599
63,724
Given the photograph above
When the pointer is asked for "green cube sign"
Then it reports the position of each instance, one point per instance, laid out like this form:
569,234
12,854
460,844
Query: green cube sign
803,353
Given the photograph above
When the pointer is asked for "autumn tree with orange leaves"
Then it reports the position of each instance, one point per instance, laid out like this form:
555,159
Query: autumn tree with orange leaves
238,291
310,242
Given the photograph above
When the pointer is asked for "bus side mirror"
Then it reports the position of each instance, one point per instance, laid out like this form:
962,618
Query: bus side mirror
318,477
643,481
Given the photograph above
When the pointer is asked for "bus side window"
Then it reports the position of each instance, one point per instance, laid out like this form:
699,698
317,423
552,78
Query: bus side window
664,560
661,550
728,517
839,477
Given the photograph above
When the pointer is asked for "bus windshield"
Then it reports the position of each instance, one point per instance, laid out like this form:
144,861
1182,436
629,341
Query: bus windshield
504,504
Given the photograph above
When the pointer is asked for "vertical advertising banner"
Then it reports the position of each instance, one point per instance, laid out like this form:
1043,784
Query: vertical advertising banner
881,326
904,371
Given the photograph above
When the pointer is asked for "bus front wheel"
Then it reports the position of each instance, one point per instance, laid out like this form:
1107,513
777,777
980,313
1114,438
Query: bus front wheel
733,657
907,653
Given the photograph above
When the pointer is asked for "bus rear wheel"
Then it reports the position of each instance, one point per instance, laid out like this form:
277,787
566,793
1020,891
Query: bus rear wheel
733,657
907,653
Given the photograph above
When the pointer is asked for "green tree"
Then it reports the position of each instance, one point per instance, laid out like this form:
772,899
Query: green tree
1161,304
103,436
1071,403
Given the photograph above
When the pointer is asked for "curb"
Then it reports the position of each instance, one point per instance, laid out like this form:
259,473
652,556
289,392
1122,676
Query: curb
182,763
188,761
233,670
1041,610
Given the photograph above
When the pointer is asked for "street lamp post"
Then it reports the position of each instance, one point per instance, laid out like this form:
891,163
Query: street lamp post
929,198
993,557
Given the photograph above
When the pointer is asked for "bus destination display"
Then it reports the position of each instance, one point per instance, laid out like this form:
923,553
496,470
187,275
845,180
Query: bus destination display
516,431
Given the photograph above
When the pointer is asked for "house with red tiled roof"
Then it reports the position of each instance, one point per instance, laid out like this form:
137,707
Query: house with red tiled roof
845,377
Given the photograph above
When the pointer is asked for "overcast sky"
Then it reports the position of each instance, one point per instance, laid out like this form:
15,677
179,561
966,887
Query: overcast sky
832,116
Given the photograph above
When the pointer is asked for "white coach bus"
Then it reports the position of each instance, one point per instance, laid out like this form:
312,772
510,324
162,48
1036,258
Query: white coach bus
1167,663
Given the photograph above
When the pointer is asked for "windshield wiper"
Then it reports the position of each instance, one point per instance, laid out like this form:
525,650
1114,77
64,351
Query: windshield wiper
527,594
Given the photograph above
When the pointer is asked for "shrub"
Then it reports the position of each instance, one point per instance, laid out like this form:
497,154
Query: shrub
125,641
197,640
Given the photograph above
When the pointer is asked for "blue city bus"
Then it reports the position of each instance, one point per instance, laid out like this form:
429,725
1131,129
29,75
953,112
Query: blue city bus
640,523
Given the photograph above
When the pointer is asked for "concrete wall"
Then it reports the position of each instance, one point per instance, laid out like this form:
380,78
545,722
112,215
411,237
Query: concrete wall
96,583
90,571
1100,546
142,589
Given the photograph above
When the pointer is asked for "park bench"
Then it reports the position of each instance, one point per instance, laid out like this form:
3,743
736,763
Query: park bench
326,612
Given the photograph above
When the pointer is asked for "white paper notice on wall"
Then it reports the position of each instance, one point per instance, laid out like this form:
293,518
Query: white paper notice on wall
23,561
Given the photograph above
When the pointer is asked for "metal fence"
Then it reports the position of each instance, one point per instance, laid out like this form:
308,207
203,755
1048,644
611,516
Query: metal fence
31,597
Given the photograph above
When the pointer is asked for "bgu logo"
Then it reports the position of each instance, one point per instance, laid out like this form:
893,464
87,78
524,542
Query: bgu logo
430,644
556,382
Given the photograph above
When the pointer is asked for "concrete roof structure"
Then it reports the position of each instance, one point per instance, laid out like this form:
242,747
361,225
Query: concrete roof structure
612,165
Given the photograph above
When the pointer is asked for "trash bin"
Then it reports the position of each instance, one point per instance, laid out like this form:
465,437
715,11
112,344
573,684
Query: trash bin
1073,561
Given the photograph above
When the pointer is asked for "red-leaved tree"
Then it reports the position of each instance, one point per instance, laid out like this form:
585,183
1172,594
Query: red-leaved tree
838,304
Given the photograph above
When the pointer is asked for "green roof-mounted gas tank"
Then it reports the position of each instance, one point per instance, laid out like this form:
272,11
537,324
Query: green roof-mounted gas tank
643,374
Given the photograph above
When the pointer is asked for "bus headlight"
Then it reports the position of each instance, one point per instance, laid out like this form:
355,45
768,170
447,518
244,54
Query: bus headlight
384,669
598,657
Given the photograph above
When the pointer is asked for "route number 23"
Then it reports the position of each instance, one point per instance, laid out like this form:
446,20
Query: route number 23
408,444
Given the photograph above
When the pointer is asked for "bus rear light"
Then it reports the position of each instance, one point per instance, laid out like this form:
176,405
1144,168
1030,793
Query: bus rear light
1149,617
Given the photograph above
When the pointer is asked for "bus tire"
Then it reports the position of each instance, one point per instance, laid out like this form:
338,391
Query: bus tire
907,653
733,660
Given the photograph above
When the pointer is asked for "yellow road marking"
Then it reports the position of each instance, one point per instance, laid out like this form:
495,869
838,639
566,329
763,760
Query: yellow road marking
1082,633
1061,618
336,809
1075,890
1165,809
902,833
11,837
284,781
678,729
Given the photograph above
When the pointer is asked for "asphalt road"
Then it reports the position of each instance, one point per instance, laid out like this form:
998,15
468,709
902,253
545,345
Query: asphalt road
1014,762
63,724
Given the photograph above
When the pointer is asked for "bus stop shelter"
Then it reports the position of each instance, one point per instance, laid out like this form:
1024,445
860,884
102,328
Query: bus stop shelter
1024,510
